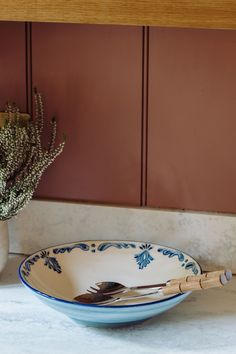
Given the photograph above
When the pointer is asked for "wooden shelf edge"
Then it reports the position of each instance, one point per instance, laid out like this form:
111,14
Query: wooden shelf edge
218,14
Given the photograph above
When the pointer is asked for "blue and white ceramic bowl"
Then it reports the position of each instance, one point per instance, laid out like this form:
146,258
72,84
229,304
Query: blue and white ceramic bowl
56,275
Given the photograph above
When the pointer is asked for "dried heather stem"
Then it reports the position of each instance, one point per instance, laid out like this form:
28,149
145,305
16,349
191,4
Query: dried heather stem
53,135
23,159
39,111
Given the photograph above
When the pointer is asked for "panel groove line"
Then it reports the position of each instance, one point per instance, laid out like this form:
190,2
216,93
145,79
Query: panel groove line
144,127
28,64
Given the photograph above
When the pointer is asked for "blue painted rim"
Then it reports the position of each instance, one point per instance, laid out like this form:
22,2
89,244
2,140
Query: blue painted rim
38,292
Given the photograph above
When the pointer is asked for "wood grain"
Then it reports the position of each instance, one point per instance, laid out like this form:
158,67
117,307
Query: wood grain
170,13
202,284
194,278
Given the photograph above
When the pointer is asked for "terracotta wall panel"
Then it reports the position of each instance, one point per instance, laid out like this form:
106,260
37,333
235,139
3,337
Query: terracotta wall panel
192,120
12,64
90,77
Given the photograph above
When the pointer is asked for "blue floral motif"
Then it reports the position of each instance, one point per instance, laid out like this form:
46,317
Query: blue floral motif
28,264
26,274
82,246
51,262
144,258
105,245
171,253
192,265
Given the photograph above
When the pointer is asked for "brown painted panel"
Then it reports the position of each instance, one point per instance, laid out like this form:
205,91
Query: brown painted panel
12,64
192,120
91,79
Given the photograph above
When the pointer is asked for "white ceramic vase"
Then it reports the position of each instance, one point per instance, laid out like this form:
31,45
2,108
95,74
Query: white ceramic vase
4,244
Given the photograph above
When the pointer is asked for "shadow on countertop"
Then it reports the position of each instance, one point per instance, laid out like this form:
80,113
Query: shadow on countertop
9,276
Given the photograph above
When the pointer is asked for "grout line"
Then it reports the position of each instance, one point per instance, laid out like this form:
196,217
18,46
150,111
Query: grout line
18,254
134,207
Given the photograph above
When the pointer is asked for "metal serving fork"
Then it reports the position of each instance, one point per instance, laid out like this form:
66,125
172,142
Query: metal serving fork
175,286
112,288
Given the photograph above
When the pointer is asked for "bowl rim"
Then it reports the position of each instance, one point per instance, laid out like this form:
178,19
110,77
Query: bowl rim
50,297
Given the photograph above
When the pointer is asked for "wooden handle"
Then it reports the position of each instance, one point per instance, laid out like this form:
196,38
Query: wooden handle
200,284
190,278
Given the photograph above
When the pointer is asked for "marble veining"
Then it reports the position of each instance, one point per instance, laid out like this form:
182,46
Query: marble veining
204,323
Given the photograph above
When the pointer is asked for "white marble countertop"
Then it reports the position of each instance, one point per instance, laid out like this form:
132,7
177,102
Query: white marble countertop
204,323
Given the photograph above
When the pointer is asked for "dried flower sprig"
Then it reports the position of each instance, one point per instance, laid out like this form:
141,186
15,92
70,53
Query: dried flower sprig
23,159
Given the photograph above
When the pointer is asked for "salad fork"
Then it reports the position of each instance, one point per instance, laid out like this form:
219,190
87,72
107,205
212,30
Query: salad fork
112,288
214,279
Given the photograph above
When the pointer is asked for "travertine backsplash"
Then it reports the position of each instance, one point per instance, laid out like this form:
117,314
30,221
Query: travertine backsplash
210,238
